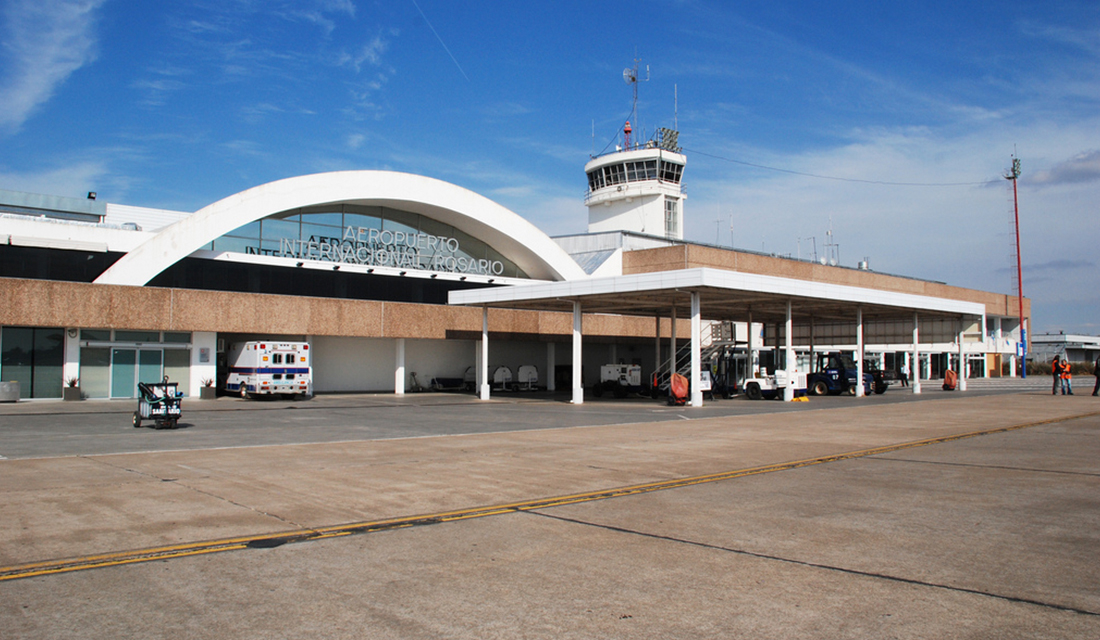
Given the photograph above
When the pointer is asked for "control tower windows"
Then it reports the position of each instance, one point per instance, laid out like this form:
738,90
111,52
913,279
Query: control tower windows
614,174
638,171
671,172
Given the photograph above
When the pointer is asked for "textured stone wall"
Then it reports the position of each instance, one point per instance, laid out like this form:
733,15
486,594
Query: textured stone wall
694,256
49,303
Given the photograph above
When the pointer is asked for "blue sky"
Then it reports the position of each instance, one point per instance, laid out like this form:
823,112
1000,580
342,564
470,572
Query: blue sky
179,104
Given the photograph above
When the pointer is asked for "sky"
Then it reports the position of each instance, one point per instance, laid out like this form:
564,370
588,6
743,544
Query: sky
891,125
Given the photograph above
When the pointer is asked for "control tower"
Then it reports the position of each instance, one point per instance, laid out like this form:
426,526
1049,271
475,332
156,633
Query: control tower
638,187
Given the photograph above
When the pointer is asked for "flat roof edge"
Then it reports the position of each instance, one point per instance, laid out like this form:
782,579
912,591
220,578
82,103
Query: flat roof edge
706,277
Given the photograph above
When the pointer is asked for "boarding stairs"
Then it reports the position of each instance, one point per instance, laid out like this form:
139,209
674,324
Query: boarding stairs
715,337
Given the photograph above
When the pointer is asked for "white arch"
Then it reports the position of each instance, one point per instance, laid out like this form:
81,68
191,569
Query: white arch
514,237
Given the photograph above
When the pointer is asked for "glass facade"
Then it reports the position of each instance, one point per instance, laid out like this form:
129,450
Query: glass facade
112,366
33,357
370,236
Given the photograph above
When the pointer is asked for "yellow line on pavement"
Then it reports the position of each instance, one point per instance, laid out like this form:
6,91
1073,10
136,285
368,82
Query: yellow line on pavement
276,539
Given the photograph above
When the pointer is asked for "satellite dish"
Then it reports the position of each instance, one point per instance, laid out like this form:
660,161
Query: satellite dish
628,76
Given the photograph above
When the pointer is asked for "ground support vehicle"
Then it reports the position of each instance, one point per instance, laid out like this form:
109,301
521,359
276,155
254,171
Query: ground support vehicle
259,368
678,390
773,386
881,379
469,379
619,380
159,402
527,377
502,379
950,380
836,373
448,384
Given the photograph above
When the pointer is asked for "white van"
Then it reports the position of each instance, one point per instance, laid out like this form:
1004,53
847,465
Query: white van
266,368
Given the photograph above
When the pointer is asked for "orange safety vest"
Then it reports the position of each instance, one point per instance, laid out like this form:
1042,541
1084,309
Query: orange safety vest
1066,375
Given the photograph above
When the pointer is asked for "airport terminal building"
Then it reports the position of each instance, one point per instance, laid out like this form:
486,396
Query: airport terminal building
385,274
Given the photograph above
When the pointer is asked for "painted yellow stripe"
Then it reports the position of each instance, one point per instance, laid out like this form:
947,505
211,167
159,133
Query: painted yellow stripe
50,567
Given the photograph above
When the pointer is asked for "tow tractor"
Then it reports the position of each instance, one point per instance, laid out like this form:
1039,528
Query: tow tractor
836,373
772,386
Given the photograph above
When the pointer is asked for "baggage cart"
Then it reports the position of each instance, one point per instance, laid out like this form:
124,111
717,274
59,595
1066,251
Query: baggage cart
159,402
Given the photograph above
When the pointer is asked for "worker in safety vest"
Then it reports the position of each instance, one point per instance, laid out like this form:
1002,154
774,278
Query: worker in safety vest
1067,378
1056,375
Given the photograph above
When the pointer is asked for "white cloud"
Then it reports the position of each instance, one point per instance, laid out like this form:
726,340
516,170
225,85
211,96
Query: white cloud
73,180
1083,167
962,235
370,53
45,41
356,140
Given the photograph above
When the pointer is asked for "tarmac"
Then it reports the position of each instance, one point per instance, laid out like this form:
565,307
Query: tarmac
966,515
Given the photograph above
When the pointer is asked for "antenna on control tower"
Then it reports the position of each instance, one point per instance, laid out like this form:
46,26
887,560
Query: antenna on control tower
630,76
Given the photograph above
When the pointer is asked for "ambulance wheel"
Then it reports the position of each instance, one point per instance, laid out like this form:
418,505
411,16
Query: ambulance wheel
137,420
244,393
752,391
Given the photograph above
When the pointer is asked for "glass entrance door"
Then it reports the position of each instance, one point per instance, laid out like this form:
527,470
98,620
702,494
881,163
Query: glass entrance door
130,366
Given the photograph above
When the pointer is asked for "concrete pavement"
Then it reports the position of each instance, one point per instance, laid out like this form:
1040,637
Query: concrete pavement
976,537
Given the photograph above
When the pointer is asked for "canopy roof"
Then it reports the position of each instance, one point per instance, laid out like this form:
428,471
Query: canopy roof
724,295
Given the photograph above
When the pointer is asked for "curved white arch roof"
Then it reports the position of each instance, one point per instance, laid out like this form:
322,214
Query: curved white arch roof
514,237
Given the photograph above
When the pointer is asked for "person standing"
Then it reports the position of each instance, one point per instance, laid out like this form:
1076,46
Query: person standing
1056,374
1067,378
904,373
1096,372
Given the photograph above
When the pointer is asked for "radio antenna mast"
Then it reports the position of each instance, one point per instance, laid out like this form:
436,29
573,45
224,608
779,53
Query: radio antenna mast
1013,175
630,76
675,108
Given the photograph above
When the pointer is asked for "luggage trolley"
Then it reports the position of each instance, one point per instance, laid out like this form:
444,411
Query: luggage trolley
159,402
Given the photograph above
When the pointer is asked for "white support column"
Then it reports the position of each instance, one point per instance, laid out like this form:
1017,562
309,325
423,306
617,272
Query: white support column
578,386
696,347
860,391
916,354
71,367
1012,356
672,348
788,391
962,356
752,349
985,348
483,367
551,365
399,367
204,357
810,369
657,345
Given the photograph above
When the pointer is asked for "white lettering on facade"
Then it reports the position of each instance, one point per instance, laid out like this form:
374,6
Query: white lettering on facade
387,248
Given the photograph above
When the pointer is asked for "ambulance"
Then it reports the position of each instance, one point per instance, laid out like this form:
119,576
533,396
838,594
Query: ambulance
266,368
